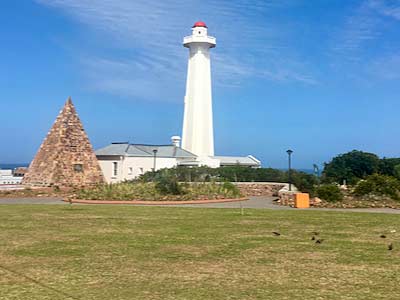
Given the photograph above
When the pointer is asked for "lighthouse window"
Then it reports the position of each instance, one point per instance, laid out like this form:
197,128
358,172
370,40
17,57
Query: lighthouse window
199,32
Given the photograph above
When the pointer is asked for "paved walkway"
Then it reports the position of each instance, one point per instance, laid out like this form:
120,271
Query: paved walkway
261,202
37,200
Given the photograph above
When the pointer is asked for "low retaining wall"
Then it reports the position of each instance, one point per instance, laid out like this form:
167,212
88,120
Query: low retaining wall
270,189
260,188
286,198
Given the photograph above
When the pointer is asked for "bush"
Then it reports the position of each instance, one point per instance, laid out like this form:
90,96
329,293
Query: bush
381,185
231,173
329,192
166,188
303,181
168,185
228,188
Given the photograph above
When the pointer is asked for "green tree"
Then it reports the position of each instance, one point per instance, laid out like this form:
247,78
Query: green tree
397,171
387,166
351,166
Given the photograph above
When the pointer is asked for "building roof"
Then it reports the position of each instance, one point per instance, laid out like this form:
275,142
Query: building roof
141,150
200,24
238,160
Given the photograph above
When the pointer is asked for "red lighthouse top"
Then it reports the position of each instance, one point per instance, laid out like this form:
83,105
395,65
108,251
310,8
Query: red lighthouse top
200,24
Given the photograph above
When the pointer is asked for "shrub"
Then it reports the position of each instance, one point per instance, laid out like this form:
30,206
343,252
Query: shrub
163,189
381,185
168,185
229,189
329,192
303,181
206,174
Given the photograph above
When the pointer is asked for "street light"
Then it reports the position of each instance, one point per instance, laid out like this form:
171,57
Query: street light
289,152
155,157
316,173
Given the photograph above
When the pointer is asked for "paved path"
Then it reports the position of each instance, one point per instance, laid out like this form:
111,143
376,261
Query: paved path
254,202
37,200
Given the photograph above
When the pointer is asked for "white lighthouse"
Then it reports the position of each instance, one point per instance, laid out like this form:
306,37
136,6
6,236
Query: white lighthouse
198,135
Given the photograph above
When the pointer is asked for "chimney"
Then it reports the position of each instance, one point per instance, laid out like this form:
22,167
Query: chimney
176,141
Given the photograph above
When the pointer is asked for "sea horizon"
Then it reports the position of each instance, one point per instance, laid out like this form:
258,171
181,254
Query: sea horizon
12,165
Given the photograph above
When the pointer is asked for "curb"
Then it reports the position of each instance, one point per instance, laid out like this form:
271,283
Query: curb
150,202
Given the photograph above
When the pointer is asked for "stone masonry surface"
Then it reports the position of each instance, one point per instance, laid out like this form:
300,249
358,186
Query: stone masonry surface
66,157
259,188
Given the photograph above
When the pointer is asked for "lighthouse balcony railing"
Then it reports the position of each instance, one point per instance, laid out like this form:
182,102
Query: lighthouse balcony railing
199,39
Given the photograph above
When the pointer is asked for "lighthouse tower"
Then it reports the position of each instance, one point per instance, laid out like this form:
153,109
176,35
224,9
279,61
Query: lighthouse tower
198,135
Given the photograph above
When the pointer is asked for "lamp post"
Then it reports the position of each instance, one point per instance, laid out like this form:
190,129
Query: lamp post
155,158
289,152
317,173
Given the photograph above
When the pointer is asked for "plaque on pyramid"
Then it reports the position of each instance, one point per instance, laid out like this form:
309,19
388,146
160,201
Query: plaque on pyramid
66,157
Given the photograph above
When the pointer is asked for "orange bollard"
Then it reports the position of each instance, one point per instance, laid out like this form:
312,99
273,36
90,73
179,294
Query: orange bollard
301,200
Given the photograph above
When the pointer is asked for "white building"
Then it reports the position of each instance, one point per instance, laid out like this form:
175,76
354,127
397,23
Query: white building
7,178
124,161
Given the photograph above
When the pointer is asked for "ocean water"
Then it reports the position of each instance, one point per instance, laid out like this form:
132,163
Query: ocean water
308,171
13,166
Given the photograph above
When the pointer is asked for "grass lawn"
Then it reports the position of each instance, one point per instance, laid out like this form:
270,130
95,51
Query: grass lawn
124,252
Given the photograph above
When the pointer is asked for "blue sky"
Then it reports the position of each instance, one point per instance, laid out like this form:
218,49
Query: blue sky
320,77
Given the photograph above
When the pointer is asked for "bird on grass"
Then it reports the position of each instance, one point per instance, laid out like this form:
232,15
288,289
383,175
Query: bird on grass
319,241
390,247
275,233
315,234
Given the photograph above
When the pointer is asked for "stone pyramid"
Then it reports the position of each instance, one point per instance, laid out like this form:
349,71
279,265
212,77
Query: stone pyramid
66,157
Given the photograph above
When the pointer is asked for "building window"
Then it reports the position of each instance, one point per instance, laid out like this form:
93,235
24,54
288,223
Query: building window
78,168
130,171
115,168
141,171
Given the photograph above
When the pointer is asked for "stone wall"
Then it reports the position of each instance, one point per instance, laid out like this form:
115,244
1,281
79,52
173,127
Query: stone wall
260,188
272,189
286,198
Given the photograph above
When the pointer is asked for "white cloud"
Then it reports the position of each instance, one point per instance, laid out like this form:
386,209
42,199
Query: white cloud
360,28
363,49
365,25
387,8
153,30
386,67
